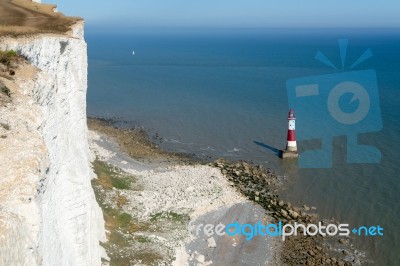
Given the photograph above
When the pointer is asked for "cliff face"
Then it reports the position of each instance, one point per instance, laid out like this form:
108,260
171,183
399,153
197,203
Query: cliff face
57,219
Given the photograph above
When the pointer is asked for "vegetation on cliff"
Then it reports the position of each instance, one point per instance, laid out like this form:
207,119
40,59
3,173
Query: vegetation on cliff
24,17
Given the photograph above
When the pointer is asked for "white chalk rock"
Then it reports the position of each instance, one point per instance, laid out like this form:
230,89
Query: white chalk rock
67,217
211,242
200,258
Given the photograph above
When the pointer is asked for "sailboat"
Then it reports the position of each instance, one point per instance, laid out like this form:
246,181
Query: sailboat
133,52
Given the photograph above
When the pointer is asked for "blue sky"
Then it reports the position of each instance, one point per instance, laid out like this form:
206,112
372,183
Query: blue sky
236,13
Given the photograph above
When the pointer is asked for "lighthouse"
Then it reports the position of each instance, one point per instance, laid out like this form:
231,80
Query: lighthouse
291,146
291,133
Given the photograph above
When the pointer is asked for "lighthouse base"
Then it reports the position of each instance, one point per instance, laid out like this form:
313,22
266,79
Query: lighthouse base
284,154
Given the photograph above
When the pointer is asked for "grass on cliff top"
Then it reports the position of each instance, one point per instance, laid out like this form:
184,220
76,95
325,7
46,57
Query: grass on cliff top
22,17
123,246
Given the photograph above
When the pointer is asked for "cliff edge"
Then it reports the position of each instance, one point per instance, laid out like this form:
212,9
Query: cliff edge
22,17
48,211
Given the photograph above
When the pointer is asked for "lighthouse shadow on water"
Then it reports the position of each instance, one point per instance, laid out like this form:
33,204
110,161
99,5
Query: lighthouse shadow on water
274,150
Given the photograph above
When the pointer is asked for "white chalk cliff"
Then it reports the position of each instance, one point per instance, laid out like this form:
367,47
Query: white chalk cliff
48,211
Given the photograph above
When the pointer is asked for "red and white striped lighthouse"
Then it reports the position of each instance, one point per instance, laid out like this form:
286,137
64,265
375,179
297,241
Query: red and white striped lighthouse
291,135
291,146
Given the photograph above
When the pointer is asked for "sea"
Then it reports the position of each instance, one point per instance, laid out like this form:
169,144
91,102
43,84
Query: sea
223,93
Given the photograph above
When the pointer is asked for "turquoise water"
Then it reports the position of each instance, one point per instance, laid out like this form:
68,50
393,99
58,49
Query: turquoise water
223,94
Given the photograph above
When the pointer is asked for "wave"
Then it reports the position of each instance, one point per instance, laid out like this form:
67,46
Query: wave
234,150
207,149
177,141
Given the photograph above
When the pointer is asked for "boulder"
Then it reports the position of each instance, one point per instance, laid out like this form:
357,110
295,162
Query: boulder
211,242
294,214
200,258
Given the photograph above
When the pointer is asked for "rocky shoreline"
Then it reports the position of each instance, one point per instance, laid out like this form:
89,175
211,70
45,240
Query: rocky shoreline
257,184
135,142
260,184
